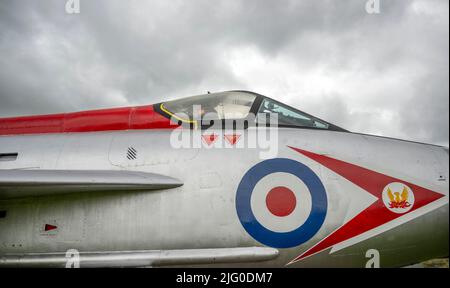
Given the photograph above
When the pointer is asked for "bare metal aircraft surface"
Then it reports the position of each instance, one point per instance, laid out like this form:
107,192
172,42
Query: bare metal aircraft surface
223,179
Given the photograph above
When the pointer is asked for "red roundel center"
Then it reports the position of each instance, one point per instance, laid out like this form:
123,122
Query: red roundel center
281,201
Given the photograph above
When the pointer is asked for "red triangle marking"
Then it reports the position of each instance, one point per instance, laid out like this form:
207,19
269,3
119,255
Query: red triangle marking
210,138
49,227
376,214
232,139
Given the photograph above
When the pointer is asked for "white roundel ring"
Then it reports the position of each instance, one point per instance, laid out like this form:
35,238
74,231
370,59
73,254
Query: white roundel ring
296,209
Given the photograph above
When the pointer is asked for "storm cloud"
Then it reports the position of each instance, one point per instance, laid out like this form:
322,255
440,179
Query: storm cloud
384,74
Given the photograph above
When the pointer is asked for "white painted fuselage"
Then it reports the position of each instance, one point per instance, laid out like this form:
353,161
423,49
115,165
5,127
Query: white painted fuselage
202,213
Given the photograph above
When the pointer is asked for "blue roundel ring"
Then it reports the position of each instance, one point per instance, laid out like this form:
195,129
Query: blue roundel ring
281,239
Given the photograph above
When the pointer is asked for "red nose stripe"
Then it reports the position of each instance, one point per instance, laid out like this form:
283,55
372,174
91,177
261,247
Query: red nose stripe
129,118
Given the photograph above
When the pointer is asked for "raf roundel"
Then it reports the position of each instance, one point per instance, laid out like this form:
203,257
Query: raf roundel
281,203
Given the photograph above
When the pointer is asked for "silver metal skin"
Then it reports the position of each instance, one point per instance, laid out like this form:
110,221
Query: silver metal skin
201,214
143,258
25,183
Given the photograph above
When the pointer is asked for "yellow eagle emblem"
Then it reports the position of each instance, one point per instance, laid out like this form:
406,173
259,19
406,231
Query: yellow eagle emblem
398,200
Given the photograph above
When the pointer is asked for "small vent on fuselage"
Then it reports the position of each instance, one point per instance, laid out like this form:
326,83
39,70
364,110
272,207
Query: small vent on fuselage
131,153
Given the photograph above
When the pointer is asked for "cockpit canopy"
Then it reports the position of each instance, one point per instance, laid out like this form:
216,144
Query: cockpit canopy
216,106
236,105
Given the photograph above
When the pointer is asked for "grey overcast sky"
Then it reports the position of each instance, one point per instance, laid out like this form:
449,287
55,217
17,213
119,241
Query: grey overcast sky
384,74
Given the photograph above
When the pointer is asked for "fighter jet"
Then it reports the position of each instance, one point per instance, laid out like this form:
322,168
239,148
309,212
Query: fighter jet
229,179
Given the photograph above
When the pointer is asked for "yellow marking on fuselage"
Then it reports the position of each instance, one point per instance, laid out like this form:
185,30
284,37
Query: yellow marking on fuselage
176,117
